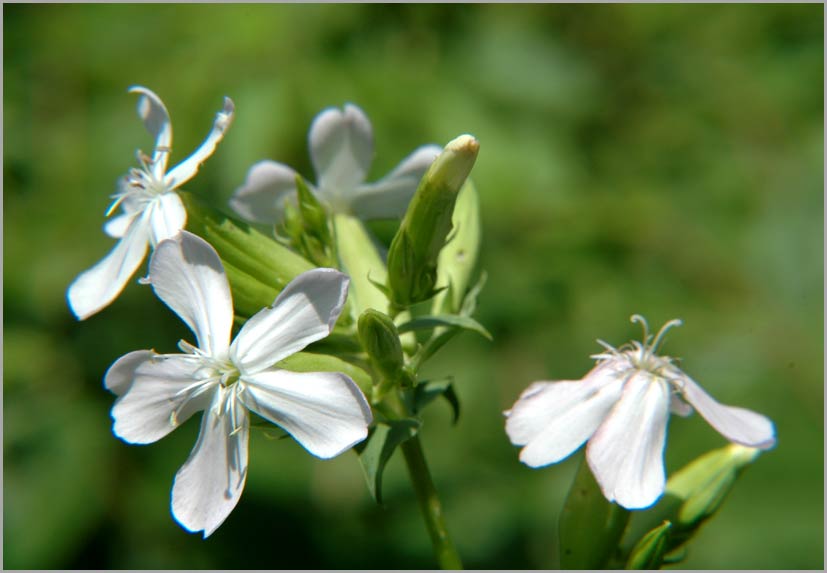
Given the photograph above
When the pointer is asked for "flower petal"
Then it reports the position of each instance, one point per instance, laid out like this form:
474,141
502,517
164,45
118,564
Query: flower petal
187,169
626,452
572,411
121,374
116,226
153,113
157,402
341,149
186,273
95,288
324,411
539,402
389,197
737,425
304,312
209,485
167,216
261,198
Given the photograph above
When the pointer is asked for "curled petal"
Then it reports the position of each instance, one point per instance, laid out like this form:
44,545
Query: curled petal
187,169
95,288
572,412
737,425
304,312
341,148
324,411
121,374
167,216
261,199
153,113
389,197
626,452
209,485
186,273
165,392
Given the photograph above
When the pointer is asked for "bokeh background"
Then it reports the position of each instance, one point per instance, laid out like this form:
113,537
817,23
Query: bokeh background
665,160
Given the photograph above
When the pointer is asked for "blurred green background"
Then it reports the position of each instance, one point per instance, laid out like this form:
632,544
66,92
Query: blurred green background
665,160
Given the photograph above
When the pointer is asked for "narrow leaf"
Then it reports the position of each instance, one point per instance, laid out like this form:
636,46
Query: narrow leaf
649,551
451,320
427,390
375,452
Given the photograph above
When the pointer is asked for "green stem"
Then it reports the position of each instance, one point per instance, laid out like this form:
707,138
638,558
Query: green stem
444,550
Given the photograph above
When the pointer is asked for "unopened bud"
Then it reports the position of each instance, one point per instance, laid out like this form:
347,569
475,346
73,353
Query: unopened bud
649,551
414,251
380,340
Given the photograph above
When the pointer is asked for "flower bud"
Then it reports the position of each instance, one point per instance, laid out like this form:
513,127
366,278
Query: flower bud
458,259
414,251
380,340
649,551
703,484
257,267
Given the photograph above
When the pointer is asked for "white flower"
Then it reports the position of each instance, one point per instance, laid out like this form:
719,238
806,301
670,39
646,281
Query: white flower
152,211
341,149
622,408
324,411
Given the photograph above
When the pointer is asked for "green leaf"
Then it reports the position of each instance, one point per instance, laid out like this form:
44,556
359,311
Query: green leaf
450,320
590,526
649,551
427,390
375,452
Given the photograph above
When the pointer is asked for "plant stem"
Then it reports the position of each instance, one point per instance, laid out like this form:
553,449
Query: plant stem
444,550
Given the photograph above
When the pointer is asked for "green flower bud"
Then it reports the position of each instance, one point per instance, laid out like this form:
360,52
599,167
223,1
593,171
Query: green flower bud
359,258
414,251
257,267
458,259
649,551
703,484
380,340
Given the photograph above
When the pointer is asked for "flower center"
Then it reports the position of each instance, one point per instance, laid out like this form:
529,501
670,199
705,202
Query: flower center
142,185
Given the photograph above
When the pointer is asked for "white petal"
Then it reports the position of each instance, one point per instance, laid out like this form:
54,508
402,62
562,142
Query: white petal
157,401
167,216
626,453
572,411
121,374
389,197
186,273
737,425
678,406
95,288
341,148
154,114
304,312
538,403
187,169
261,198
209,485
116,226
324,411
